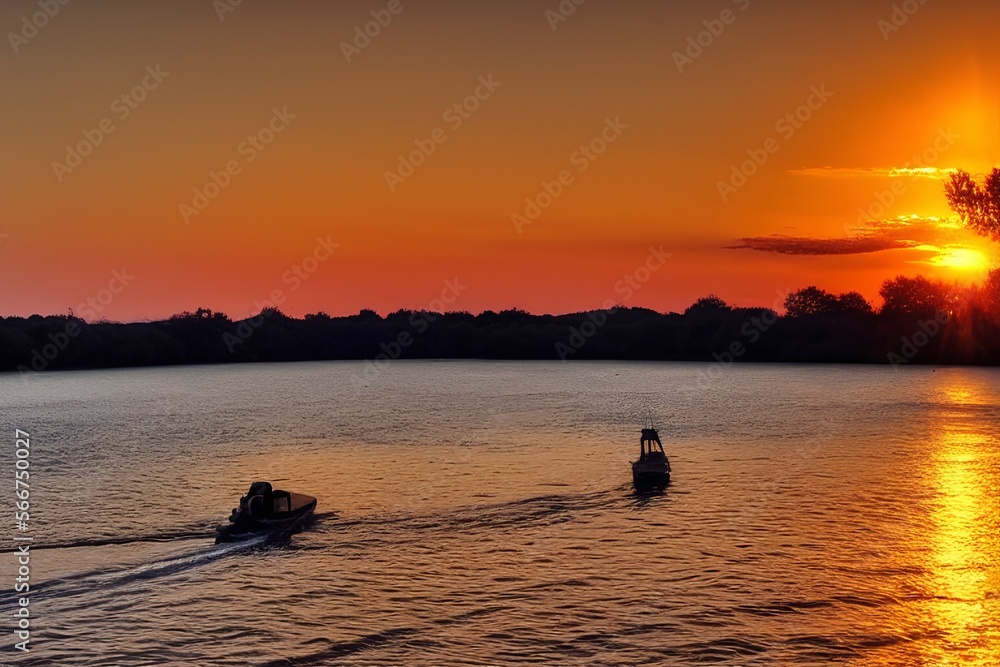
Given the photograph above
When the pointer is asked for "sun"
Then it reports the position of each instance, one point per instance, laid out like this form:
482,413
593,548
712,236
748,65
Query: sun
964,259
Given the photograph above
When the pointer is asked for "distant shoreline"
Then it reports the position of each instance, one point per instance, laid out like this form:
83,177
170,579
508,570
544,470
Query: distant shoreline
741,364
718,336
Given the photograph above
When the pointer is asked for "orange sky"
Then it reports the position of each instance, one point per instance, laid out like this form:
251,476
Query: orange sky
324,174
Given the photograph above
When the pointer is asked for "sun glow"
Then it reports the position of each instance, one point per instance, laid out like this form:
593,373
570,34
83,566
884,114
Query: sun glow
956,257
962,258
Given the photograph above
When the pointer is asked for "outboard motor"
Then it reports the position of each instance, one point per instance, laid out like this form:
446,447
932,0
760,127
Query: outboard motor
260,500
260,489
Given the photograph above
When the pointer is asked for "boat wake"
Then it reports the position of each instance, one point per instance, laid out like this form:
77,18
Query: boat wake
111,540
176,564
357,532
111,580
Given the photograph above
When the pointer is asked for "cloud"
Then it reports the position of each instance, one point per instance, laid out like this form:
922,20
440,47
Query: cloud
877,236
874,172
797,245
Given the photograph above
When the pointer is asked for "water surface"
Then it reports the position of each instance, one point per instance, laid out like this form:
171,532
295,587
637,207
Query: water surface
476,513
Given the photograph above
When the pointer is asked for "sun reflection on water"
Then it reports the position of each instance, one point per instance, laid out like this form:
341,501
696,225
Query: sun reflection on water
963,524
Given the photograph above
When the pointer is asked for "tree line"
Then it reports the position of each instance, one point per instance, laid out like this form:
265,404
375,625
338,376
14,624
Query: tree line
920,321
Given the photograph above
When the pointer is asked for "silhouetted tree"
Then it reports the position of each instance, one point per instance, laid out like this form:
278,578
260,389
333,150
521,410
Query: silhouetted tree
913,295
989,293
977,205
712,302
810,301
273,313
201,314
854,302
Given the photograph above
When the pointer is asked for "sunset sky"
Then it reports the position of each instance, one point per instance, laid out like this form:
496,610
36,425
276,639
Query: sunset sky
880,97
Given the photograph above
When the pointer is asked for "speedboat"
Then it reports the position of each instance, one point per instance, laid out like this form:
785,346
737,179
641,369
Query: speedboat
652,470
264,510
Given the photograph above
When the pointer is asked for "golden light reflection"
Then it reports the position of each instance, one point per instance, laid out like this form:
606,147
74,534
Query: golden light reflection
963,548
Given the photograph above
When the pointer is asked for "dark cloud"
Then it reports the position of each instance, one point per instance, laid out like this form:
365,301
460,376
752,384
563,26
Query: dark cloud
797,245
875,236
